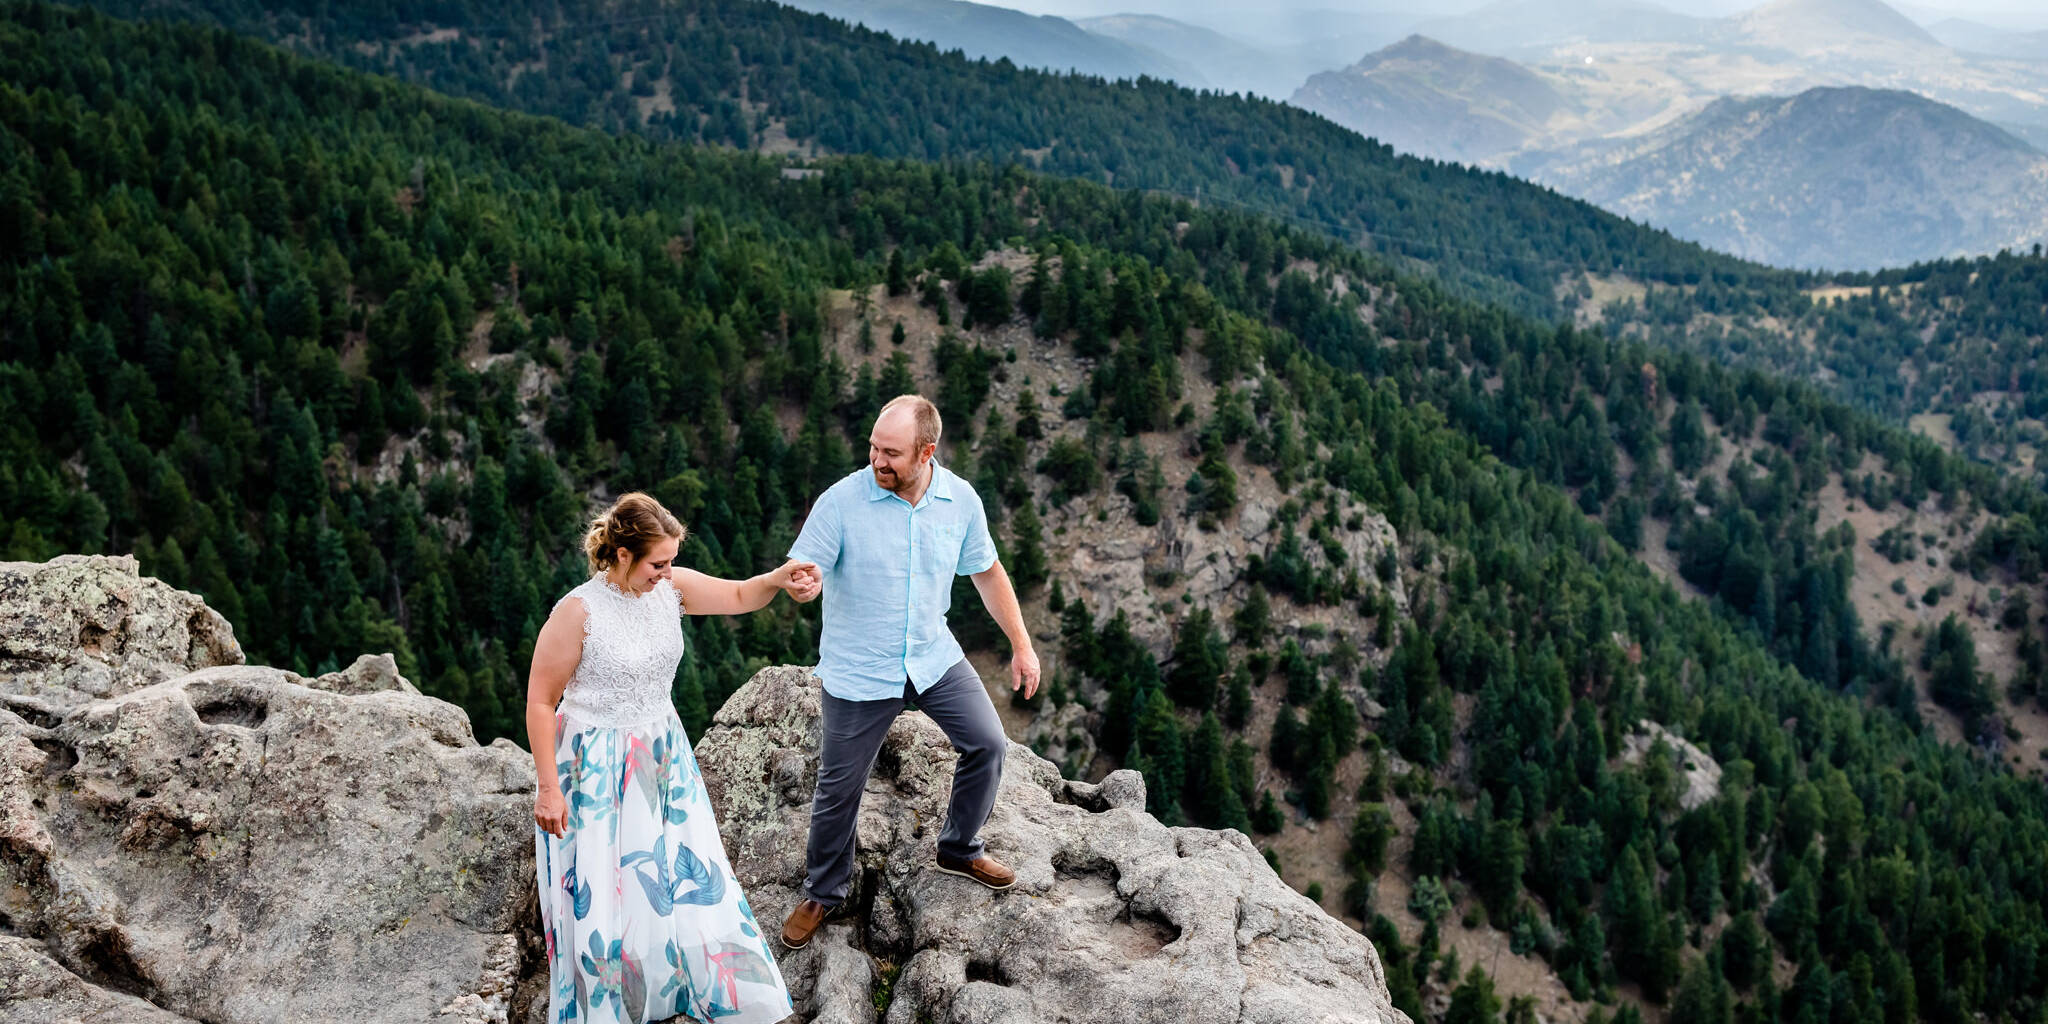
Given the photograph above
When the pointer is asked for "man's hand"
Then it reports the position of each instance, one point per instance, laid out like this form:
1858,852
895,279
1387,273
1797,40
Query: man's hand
802,580
1024,672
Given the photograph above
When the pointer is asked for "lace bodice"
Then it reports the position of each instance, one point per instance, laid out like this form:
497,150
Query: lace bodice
631,645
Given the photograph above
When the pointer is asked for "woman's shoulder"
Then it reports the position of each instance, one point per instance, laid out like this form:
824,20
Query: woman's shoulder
579,598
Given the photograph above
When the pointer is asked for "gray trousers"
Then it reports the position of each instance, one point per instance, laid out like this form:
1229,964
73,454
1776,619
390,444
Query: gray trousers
853,735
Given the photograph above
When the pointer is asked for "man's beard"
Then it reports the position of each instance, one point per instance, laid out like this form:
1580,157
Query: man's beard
895,483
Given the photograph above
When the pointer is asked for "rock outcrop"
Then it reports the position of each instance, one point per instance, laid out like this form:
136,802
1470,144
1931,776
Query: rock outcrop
81,627
183,838
239,843
1114,917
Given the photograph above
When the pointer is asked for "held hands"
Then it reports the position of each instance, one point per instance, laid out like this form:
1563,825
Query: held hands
551,812
1024,672
802,580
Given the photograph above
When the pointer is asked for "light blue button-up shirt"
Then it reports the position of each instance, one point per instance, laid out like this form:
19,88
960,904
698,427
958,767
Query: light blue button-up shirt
888,571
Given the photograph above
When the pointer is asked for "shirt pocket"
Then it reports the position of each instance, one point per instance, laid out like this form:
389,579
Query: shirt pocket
938,546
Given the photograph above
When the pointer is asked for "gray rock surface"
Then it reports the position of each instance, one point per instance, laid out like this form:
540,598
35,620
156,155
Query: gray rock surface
1699,773
237,843
80,627
1114,917
225,843
35,988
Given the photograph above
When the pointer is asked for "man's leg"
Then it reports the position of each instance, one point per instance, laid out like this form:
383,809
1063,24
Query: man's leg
960,706
853,733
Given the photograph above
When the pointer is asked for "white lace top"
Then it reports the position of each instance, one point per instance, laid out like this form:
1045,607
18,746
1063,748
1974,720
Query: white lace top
631,646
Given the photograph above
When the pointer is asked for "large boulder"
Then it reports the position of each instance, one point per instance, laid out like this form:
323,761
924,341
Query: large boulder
1114,918
81,627
240,844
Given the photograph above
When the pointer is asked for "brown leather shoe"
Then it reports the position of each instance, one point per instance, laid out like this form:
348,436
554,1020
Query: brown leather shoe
984,869
803,922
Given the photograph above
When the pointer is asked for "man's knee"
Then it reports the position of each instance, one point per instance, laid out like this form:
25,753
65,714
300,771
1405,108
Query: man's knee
981,746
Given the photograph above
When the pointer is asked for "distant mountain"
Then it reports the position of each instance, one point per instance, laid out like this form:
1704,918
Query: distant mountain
1222,61
1522,27
2035,135
1817,27
1423,97
1847,178
1636,68
982,30
1977,37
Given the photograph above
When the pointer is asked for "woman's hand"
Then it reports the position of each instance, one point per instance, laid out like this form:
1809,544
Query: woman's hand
551,812
801,579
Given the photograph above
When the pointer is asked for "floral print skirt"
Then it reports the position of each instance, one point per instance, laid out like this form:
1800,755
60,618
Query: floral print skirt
643,917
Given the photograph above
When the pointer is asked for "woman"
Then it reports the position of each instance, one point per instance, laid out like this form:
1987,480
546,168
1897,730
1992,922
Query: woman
643,917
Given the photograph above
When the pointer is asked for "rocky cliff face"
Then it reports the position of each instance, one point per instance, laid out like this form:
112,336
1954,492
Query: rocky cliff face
185,838
1114,917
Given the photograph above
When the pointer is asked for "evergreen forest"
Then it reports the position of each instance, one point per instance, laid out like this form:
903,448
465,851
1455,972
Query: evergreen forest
353,360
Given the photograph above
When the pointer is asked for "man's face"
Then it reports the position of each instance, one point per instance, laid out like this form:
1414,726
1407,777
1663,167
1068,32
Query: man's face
893,451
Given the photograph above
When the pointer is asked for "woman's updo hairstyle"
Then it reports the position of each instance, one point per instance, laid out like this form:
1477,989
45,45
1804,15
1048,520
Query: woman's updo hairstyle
634,522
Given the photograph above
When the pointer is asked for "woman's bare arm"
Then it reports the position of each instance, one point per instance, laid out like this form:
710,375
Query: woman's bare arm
709,595
556,654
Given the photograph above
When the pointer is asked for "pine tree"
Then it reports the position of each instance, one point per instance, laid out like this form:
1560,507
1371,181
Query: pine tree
1473,1001
1028,426
1158,735
1027,561
1199,661
1253,618
1703,997
1371,829
1267,819
896,277
1207,774
1237,705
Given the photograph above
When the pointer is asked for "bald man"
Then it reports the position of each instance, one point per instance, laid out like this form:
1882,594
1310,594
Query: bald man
888,540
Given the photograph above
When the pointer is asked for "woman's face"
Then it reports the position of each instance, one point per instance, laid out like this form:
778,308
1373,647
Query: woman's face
651,569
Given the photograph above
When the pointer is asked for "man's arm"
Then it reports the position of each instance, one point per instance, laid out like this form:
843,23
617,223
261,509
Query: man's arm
819,541
1001,600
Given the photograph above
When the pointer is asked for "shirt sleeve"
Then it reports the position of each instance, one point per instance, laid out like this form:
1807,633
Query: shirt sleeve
977,549
819,540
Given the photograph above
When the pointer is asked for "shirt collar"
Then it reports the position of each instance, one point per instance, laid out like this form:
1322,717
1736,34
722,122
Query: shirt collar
941,487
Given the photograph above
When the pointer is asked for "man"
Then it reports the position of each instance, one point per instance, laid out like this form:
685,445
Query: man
888,540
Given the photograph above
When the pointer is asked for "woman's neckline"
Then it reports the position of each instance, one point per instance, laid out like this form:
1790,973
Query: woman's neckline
604,580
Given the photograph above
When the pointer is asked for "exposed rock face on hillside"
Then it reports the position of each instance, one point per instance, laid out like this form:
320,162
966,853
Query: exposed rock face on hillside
1114,917
187,840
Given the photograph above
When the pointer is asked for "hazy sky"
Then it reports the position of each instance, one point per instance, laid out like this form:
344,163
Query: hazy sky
2018,13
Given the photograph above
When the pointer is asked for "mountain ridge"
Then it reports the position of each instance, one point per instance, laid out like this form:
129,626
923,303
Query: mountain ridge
1894,176
794,69
1829,25
1424,97
989,32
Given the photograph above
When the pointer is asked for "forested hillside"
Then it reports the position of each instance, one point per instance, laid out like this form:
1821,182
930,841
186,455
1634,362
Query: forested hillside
353,360
758,75
761,76
1959,339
